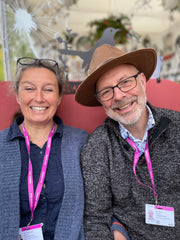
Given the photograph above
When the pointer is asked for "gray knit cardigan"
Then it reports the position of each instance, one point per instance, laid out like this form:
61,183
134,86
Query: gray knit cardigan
112,189
70,220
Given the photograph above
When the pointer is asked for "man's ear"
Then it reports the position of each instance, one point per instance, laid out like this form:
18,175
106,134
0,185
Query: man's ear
143,80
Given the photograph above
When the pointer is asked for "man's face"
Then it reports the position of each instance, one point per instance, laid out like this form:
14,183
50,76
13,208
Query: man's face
129,107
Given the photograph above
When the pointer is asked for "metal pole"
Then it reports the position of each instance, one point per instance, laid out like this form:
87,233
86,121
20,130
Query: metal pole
5,42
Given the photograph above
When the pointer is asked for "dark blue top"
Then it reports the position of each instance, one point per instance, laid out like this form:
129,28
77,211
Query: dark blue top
51,196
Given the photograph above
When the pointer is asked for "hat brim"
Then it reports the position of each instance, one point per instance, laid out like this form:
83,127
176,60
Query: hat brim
143,59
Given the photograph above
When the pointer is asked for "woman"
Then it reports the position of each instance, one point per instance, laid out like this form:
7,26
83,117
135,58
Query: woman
40,179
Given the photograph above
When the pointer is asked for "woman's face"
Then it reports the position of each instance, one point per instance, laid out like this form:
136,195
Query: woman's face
38,96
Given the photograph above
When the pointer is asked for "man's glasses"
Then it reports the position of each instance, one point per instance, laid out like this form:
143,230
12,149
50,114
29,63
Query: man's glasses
34,61
124,85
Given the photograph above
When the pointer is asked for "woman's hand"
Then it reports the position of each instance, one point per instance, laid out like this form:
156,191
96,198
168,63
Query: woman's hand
118,235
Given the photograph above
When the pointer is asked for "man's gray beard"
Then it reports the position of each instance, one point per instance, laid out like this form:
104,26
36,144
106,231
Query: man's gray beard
123,121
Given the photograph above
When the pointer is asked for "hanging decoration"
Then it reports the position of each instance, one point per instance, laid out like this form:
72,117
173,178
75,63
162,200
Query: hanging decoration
97,28
106,38
34,19
111,30
30,24
33,30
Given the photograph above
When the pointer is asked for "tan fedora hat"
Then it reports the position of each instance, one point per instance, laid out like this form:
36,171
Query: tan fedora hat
106,57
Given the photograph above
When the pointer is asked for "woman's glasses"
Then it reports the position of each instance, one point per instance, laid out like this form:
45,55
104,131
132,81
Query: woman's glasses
36,62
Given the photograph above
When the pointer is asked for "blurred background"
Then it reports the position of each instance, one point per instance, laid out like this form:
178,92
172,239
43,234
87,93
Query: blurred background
43,28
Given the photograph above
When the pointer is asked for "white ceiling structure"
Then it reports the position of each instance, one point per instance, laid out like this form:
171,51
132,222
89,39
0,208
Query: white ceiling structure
147,16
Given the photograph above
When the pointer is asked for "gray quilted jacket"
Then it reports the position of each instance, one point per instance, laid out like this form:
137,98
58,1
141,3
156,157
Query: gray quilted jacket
112,189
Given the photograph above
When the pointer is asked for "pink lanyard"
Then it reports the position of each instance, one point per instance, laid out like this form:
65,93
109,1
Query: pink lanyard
34,198
149,164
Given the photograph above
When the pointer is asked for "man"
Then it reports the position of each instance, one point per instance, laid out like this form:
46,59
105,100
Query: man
131,163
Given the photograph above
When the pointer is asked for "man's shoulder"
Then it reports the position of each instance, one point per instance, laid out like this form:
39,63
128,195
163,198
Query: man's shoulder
103,132
164,112
173,116
169,111
99,132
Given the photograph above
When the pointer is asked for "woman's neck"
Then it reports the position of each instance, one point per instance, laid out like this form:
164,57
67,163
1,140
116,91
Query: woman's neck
38,134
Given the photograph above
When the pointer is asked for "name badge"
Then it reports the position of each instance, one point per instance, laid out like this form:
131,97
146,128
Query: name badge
160,215
31,232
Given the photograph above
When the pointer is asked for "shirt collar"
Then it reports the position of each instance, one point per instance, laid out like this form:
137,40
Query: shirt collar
60,124
14,131
151,122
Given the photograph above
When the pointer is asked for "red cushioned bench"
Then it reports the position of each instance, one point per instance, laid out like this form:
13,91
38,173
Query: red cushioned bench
165,94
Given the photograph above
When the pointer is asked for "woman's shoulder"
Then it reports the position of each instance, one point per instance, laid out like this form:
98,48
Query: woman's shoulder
4,139
3,133
73,137
74,130
68,128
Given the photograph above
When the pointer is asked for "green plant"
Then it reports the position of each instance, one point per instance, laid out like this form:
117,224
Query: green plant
97,28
